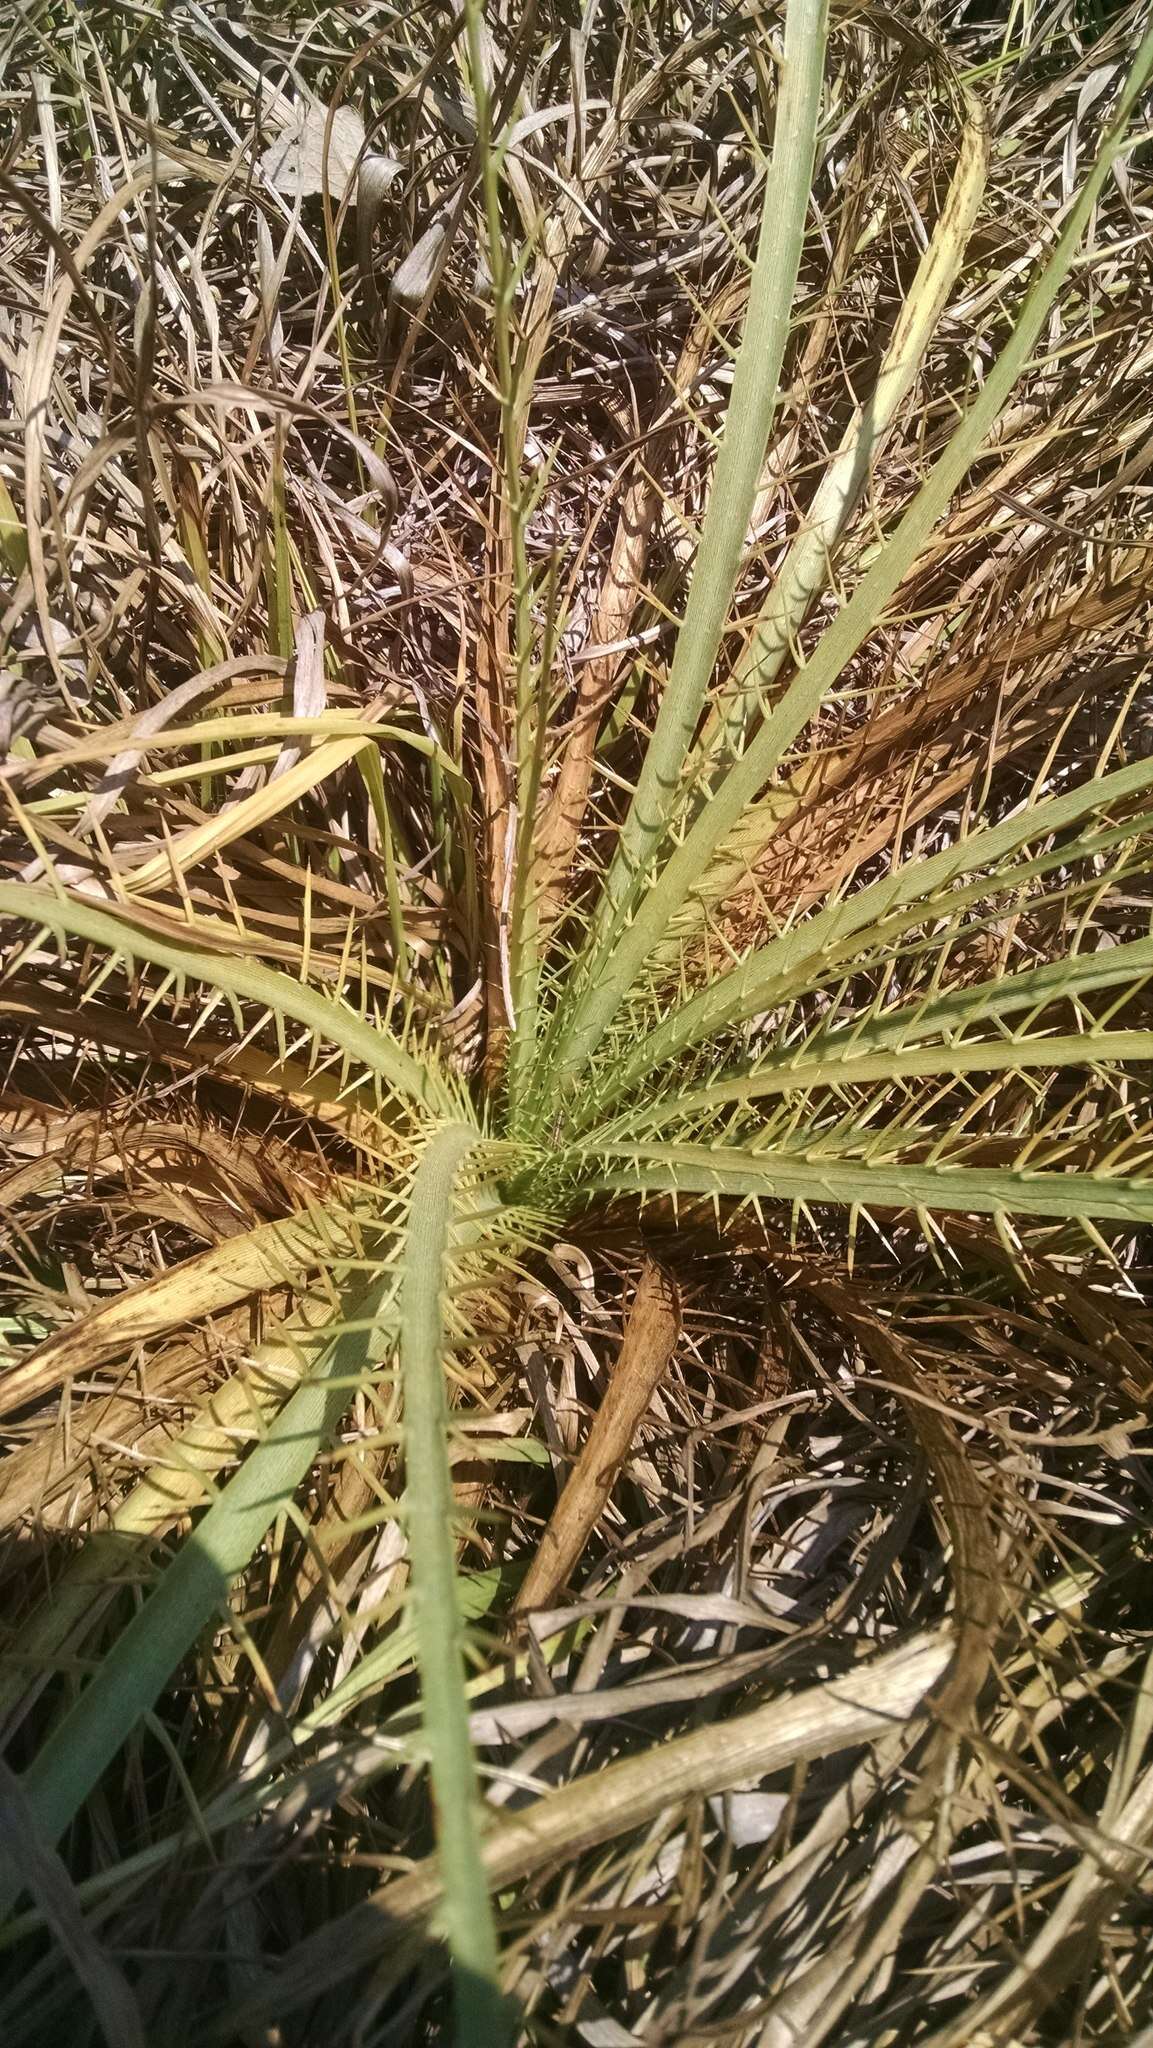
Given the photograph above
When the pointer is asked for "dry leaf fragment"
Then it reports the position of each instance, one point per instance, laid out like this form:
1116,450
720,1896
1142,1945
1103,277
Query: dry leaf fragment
650,1335
297,166
309,693
413,278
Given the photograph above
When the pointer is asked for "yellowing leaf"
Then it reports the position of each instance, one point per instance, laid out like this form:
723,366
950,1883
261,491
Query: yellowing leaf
256,810
274,1255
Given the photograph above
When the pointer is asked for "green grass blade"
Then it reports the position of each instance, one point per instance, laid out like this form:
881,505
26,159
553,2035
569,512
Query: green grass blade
960,1190
482,2019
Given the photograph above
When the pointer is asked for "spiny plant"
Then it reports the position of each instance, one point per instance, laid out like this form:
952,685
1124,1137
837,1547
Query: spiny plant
666,1023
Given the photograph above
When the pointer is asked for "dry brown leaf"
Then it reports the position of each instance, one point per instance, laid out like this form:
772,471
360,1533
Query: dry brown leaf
413,278
650,1334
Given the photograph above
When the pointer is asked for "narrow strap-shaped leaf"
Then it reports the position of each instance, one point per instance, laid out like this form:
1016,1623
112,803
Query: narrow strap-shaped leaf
270,1255
844,1067
482,2021
236,725
769,973
756,377
609,979
836,1057
960,1190
807,566
225,827
374,1048
195,1586
178,1485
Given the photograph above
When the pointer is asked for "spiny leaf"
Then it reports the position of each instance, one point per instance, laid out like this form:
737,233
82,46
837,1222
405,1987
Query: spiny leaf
740,457
374,1048
195,1586
957,1190
847,1066
482,2020
614,957
273,1255
920,887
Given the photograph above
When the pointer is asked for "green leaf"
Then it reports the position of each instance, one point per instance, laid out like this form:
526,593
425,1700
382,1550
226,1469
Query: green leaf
615,965
753,401
195,1586
374,1048
961,1190
482,2018
922,887
845,1066
807,567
